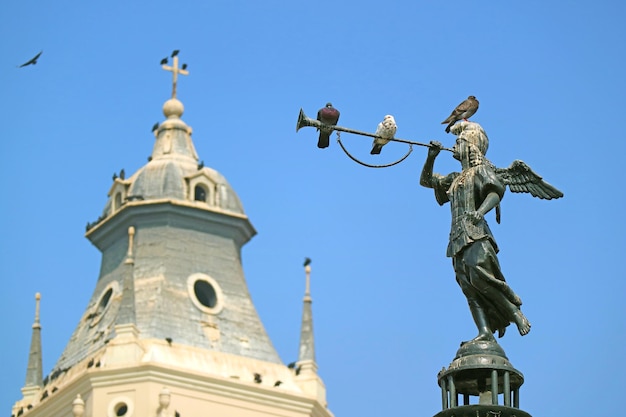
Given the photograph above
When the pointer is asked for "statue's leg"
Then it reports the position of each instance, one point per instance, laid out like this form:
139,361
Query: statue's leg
486,278
478,313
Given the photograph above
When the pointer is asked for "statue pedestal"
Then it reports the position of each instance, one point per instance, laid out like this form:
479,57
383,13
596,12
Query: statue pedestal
485,381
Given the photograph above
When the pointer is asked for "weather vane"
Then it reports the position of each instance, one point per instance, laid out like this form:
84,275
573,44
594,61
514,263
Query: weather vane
480,365
174,69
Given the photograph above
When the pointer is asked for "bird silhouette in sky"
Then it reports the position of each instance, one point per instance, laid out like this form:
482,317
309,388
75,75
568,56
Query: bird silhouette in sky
329,116
386,129
32,61
463,111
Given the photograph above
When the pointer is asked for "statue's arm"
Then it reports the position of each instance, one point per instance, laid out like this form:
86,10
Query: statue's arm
491,200
426,179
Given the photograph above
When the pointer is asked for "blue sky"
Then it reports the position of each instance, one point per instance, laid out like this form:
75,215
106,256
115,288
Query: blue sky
388,314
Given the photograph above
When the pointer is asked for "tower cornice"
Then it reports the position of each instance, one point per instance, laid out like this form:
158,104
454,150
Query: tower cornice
189,215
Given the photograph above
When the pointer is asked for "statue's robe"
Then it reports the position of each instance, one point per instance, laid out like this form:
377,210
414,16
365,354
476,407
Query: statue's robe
472,246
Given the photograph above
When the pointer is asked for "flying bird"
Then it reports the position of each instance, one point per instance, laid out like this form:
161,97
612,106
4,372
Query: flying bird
175,52
329,116
463,111
386,129
32,61
164,61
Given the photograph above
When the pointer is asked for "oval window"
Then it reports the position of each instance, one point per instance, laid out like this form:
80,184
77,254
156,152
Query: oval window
205,293
104,301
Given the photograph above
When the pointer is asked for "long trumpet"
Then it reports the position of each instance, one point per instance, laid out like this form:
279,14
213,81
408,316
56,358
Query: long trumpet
304,121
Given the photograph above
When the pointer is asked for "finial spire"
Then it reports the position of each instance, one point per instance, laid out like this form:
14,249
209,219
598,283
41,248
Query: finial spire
34,372
307,345
126,313
175,71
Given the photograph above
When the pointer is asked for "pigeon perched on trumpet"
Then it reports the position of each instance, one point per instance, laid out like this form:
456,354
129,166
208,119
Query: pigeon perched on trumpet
329,116
386,130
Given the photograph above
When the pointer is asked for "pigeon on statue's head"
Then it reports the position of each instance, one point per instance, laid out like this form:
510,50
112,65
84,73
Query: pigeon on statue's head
463,111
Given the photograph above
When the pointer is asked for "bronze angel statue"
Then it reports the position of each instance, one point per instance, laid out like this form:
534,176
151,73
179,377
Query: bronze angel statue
473,192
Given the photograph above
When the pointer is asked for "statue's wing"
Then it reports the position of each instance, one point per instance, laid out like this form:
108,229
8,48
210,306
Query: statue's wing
522,179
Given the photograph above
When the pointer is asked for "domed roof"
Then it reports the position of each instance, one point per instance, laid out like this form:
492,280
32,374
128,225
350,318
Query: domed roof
173,172
166,178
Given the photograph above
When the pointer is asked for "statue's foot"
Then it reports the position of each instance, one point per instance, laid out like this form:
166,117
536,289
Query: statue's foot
501,332
523,325
482,337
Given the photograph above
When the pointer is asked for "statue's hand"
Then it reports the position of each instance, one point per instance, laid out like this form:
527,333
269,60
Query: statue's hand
434,148
474,216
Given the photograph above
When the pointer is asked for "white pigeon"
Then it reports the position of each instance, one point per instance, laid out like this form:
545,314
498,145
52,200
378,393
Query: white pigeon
386,129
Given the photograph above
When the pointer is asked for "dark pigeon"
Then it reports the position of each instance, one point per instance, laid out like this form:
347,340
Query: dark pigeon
463,111
329,116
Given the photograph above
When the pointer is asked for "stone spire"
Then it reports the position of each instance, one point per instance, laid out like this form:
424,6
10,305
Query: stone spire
34,373
126,314
307,345
306,370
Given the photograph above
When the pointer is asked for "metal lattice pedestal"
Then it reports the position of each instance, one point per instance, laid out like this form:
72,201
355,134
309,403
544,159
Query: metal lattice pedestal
485,381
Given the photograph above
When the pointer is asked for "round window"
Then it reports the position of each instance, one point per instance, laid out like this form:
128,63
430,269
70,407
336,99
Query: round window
121,409
205,293
99,310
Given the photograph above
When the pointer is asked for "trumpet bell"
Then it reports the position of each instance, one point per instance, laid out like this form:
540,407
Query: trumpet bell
304,121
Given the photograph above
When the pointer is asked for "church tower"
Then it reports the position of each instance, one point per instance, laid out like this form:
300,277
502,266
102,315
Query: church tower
170,329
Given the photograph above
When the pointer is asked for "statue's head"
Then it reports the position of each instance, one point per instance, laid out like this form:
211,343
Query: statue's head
472,133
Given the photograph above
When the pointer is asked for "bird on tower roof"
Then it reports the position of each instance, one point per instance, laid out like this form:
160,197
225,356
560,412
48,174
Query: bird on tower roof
174,69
